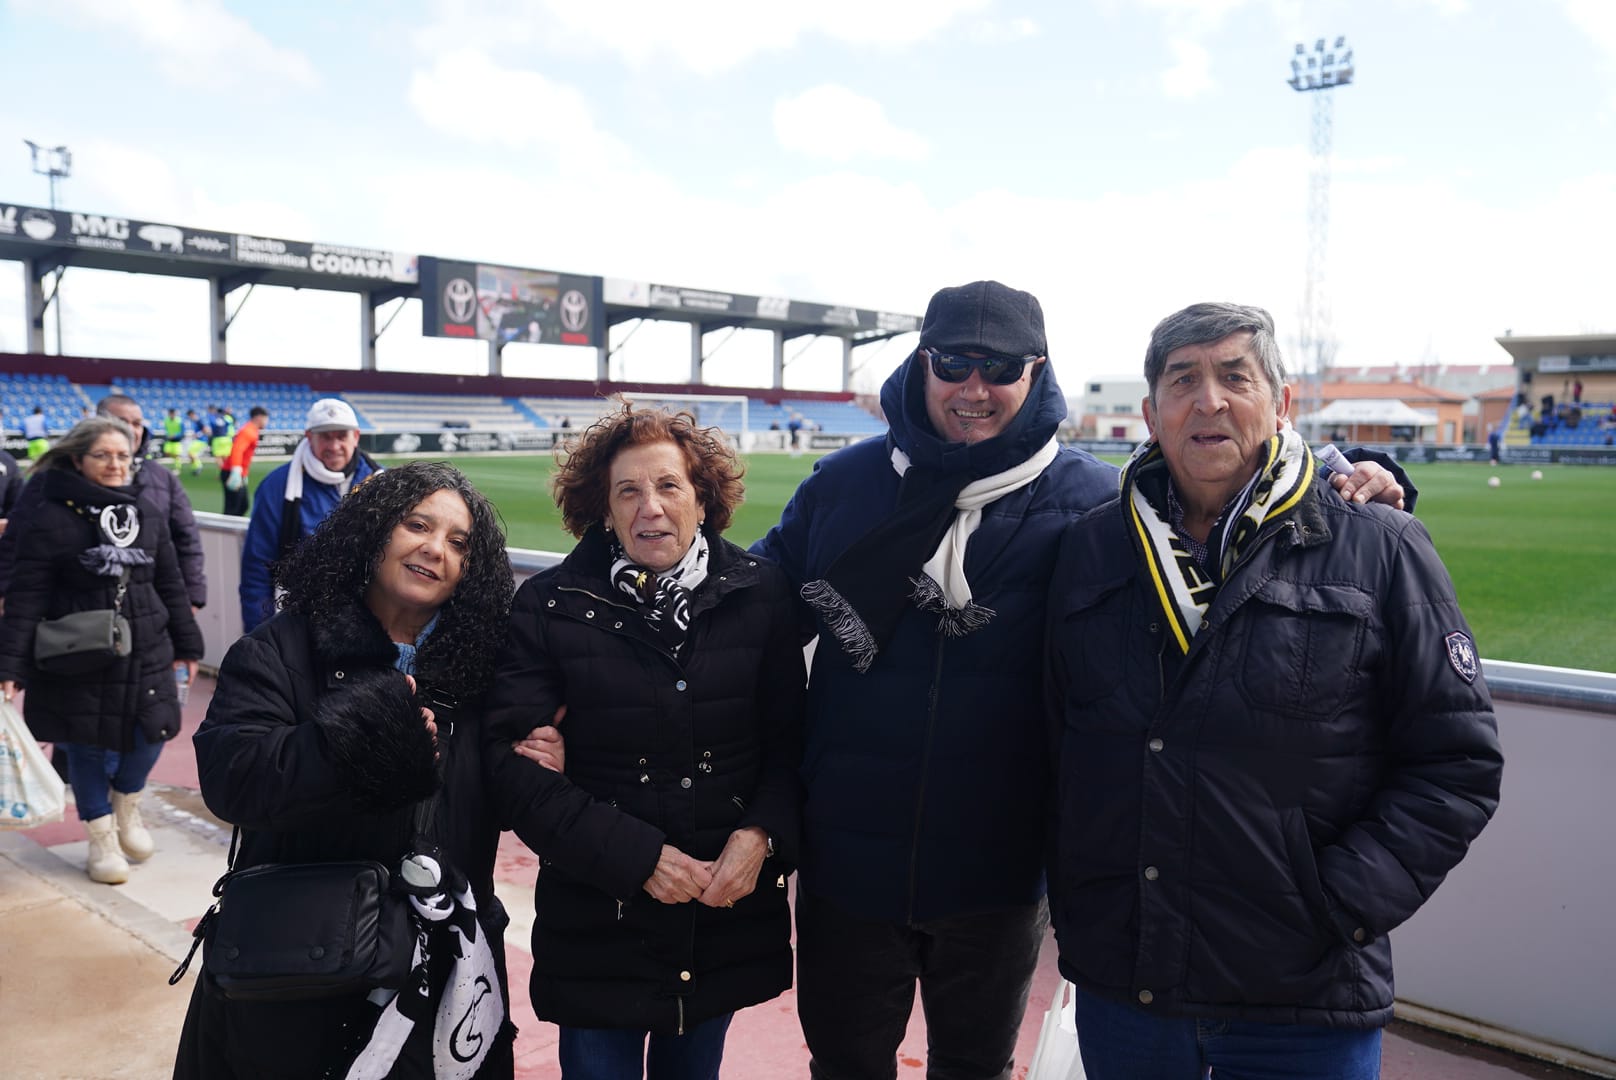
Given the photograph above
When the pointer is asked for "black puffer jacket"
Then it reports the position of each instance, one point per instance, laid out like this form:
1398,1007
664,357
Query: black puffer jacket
659,750
48,581
157,488
1241,827
314,746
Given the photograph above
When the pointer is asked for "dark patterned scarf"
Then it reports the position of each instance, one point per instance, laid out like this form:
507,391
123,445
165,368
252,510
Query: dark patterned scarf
664,597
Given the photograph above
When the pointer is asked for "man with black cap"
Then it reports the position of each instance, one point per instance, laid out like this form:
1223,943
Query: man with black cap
925,559
293,499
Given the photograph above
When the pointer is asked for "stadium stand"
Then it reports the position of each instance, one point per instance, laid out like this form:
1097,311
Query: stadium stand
395,401
405,412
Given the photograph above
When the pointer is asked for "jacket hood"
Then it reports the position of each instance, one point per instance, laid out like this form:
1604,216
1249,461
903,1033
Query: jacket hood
903,399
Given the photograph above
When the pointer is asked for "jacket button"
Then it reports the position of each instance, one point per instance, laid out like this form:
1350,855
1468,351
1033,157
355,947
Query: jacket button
645,778
684,976
1151,873
723,577
1146,997
340,675
617,625
316,952
706,753
642,761
550,604
680,685
1154,627
1155,746
589,614
751,562
1359,935
684,782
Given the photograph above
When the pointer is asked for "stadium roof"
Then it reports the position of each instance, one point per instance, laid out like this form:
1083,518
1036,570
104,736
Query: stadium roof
461,299
1535,348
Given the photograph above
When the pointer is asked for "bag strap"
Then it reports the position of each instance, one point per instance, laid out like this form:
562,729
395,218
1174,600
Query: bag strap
123,587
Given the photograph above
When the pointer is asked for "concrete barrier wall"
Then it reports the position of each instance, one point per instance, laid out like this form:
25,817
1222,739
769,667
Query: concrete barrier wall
1516,948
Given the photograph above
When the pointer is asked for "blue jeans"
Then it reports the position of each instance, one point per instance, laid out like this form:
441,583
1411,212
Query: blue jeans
616,1054
91,768
1124,1042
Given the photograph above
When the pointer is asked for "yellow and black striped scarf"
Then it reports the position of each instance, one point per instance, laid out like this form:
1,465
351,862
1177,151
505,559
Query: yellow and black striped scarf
1182,586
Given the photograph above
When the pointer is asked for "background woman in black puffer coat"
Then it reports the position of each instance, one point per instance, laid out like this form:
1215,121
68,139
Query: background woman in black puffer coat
661,901
331,722
70,556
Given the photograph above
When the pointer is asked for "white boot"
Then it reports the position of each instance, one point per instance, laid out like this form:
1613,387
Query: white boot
137,842
105,862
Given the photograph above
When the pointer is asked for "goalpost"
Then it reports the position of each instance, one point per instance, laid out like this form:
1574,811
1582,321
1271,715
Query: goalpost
741,436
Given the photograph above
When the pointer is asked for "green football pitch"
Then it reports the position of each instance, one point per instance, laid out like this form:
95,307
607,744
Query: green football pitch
1530,558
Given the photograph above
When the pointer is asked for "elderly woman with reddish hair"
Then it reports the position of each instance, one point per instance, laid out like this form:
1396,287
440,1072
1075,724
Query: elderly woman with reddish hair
661,902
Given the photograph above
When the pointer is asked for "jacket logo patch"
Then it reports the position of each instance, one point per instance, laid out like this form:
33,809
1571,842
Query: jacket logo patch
1462,655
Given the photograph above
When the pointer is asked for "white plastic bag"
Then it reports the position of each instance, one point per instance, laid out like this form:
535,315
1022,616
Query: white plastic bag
30,791
1056,1057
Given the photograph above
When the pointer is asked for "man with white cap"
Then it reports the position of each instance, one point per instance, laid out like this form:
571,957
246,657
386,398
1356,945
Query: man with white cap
293,499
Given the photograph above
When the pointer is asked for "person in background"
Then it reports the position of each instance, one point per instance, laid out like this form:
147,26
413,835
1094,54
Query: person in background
329,724
173,437
660,908
33,429
925,558
221,428
92,544
1272,736
159,489
11,485
234,466
294,498
194,441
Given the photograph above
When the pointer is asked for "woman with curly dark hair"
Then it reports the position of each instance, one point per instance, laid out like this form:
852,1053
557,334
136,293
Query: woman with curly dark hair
347,728
661,905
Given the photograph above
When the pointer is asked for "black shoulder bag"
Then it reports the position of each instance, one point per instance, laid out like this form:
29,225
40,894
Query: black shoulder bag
298,931
84,641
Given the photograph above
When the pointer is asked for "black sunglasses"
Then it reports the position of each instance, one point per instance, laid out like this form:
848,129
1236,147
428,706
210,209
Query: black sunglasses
998,370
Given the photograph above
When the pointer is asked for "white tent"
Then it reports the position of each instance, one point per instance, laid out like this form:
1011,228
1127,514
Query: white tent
1389,411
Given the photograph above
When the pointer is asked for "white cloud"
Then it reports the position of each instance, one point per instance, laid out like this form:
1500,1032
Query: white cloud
706,36
468,96
1191,74
834,123
1597,19
195,42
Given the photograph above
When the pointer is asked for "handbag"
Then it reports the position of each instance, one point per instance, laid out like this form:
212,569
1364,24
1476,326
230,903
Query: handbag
30,791
1057,1056
84,641
302,931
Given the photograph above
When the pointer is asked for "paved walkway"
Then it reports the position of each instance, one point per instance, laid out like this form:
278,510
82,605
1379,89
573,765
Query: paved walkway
84,967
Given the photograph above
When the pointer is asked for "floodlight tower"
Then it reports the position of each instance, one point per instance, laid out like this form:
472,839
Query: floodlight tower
55,162
1318,72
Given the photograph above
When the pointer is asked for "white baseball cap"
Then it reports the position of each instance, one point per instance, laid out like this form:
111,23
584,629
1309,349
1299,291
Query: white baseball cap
331,414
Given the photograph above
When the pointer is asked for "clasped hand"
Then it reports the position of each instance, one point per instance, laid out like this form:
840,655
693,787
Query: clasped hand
678,878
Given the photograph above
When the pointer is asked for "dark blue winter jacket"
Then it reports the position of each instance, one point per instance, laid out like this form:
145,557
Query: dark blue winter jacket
927,777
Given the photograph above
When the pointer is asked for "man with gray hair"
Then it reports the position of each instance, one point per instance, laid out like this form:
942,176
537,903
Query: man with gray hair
1272,735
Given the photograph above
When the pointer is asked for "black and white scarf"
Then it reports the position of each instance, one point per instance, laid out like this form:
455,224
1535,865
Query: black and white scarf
119,527
665,596
1183,587
469,1008
916,556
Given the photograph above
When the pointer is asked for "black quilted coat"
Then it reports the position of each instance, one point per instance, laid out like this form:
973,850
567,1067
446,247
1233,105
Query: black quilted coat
659,750
314,746
48,581
1241,827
